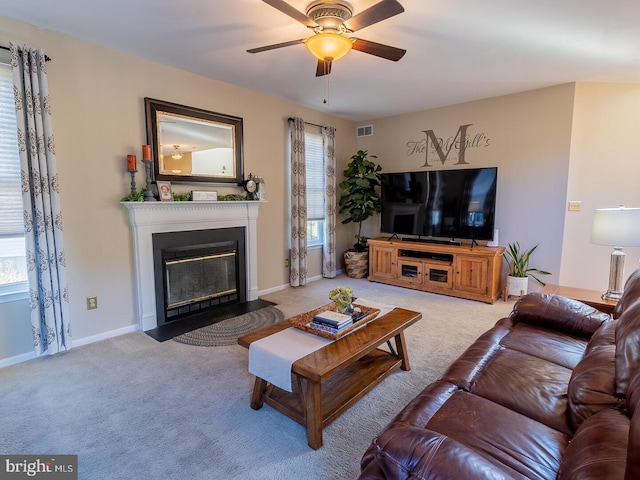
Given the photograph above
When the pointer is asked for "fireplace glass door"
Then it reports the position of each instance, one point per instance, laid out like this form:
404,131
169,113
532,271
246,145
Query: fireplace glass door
198,271
193,280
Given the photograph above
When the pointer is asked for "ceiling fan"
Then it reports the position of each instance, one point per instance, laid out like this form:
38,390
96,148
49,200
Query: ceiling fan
331,22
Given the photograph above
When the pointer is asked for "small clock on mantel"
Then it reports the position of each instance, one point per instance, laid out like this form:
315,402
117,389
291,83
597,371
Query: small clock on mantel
251,187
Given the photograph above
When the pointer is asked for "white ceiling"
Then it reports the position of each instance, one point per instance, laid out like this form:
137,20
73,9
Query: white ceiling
457,50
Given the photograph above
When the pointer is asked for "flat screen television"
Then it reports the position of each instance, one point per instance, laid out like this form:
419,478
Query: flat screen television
451,204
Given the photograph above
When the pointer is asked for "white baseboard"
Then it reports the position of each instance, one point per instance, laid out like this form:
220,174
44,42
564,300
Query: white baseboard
6,362
273,289
104,336
286,285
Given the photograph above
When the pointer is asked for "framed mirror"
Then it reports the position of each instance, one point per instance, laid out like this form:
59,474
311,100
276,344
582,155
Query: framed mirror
193,145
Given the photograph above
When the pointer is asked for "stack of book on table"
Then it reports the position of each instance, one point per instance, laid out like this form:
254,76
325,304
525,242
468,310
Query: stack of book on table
330,321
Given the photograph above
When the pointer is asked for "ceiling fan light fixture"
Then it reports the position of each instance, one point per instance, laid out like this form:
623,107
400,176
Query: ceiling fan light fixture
328,45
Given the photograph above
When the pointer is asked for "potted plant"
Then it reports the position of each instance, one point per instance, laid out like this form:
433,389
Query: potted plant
519,269
343,298
360,201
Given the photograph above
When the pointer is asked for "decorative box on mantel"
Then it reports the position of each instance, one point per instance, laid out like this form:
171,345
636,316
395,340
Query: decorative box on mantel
147,218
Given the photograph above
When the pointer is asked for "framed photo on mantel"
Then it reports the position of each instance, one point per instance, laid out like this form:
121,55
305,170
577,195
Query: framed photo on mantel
164,191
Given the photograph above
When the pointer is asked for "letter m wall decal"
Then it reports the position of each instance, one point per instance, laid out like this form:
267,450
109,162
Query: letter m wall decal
460,141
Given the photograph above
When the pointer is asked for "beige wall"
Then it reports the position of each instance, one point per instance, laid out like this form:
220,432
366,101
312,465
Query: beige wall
528,140
604,173
575,141
98,113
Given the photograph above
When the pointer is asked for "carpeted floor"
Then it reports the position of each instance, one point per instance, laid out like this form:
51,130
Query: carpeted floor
132,407
227,331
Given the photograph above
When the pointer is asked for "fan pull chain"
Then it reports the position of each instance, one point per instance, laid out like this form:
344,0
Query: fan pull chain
326,90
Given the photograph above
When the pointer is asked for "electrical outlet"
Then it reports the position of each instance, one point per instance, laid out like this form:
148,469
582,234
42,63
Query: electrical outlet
92,302
286,263
575,205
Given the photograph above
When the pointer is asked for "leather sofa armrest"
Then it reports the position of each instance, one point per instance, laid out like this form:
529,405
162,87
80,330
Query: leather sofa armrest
410,452
559,313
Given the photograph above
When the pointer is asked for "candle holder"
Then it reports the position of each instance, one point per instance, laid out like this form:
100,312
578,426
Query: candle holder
148,196
133,180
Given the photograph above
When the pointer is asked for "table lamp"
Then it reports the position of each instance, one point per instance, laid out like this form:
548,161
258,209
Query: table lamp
616,227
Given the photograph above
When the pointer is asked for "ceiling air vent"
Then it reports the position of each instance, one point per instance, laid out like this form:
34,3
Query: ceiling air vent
365,131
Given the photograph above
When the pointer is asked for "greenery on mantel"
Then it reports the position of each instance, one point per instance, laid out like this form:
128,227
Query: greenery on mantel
186,197
235,197
135,196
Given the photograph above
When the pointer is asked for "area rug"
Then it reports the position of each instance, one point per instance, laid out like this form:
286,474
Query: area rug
227,331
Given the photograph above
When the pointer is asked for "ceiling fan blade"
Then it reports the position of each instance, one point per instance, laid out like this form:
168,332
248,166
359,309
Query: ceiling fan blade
287,9
378,12
323,68
378,49
276,45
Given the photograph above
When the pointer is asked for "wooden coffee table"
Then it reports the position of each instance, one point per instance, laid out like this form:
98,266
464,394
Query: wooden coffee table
328,381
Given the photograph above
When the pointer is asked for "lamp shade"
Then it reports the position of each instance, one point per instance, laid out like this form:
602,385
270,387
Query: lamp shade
617,227
328,45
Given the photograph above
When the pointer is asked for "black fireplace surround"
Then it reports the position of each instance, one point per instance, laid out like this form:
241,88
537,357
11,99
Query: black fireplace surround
197,272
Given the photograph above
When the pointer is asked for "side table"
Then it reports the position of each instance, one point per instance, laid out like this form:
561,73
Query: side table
590,297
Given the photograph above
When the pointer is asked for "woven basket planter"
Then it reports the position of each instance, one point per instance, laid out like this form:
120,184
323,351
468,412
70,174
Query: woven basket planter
357,264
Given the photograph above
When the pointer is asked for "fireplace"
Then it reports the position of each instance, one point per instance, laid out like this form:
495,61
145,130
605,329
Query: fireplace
151,220
197,272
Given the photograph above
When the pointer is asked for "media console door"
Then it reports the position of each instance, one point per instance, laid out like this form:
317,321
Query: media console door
382,263
472,274
461,271
410,271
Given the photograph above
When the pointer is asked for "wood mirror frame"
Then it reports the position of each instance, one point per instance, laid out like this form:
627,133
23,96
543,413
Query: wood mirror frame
193,145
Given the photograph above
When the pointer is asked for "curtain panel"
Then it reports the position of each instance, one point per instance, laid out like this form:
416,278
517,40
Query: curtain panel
329,244
46,268
298,239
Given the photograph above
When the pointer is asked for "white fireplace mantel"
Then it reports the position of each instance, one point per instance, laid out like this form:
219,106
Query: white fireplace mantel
147,218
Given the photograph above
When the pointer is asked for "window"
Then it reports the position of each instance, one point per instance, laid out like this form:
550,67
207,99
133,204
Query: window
13,268
315,188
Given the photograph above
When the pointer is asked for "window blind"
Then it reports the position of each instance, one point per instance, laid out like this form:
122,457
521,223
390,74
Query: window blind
11,214
315,175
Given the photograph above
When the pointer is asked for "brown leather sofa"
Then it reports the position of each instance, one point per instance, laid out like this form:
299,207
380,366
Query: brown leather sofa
552,391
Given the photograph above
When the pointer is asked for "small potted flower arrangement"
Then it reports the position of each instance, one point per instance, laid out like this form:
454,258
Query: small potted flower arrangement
343,298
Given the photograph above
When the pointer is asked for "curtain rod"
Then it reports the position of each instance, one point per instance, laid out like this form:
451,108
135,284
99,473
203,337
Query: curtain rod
46,57
291,119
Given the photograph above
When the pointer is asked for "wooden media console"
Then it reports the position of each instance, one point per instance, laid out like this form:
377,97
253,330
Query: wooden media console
465,271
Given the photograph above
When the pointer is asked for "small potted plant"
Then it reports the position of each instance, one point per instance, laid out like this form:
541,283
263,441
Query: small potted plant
360,201
519,269
343,298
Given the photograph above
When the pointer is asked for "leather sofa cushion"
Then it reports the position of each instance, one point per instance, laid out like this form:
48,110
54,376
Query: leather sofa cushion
515,444
551,345
415,453
604,336
627,347
633,406
559,313
523,383
598,450
592,385
630,295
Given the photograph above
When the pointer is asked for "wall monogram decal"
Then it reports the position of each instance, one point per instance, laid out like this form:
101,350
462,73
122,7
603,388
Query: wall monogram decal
438,148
